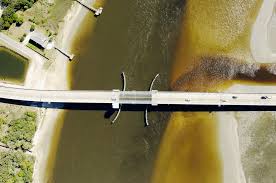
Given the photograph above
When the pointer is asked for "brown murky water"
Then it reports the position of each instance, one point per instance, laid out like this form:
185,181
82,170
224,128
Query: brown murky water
137,37
212,54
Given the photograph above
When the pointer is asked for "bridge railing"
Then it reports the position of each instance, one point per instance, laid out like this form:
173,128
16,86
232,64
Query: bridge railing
135,97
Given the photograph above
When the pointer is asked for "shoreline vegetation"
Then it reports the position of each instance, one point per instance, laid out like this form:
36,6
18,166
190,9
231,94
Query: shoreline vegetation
16,135
38,148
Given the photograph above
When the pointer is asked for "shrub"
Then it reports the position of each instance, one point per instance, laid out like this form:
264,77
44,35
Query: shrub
23,37
19,21
20,132
32,28
16,167
2,122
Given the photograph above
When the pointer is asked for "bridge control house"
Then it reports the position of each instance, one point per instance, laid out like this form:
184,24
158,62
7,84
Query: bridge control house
39,40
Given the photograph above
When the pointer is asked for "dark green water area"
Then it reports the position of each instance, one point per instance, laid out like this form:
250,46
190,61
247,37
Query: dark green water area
13,67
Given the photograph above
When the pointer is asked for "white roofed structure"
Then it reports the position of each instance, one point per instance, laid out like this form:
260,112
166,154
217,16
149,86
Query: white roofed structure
39,39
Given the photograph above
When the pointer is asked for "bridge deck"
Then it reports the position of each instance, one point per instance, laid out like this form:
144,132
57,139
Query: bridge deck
138,97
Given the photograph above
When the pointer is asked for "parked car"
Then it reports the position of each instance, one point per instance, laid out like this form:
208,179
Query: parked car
265,97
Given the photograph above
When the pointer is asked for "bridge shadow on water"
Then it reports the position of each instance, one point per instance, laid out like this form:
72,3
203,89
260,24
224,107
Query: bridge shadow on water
126,107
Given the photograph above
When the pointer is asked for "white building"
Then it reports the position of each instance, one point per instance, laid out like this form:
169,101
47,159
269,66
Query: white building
38,39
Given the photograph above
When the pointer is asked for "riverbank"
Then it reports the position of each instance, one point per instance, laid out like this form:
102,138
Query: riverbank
56,78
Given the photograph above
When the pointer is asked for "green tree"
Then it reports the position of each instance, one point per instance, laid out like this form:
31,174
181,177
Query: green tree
12,6
1,23
6,25
6,2
14,18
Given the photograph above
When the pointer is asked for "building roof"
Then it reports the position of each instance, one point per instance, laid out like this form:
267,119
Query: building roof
39,38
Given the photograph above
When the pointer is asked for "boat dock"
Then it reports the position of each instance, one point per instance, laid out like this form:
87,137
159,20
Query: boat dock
65,53
97,12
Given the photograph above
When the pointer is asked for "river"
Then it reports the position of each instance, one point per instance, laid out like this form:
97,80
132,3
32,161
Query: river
142,39
137,37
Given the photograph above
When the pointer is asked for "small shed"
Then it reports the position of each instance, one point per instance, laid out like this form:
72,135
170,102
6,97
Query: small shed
38,39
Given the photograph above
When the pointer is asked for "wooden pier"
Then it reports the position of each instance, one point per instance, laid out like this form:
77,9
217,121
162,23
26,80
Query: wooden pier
97,12
65,53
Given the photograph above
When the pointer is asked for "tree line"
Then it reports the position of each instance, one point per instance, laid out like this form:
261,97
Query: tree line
15,164
9,13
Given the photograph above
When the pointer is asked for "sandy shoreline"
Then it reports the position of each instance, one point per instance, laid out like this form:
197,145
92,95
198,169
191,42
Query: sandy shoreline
260,49
233,141
229,148
56,78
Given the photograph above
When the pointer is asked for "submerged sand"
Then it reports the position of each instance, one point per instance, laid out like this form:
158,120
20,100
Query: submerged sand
251,137
209,51
244,159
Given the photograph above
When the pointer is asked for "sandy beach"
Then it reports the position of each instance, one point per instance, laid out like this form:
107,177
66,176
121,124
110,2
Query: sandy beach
260,45
234,139
229,148
56,77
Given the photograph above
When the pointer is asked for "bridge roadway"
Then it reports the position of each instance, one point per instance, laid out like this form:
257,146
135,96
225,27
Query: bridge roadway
154,97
